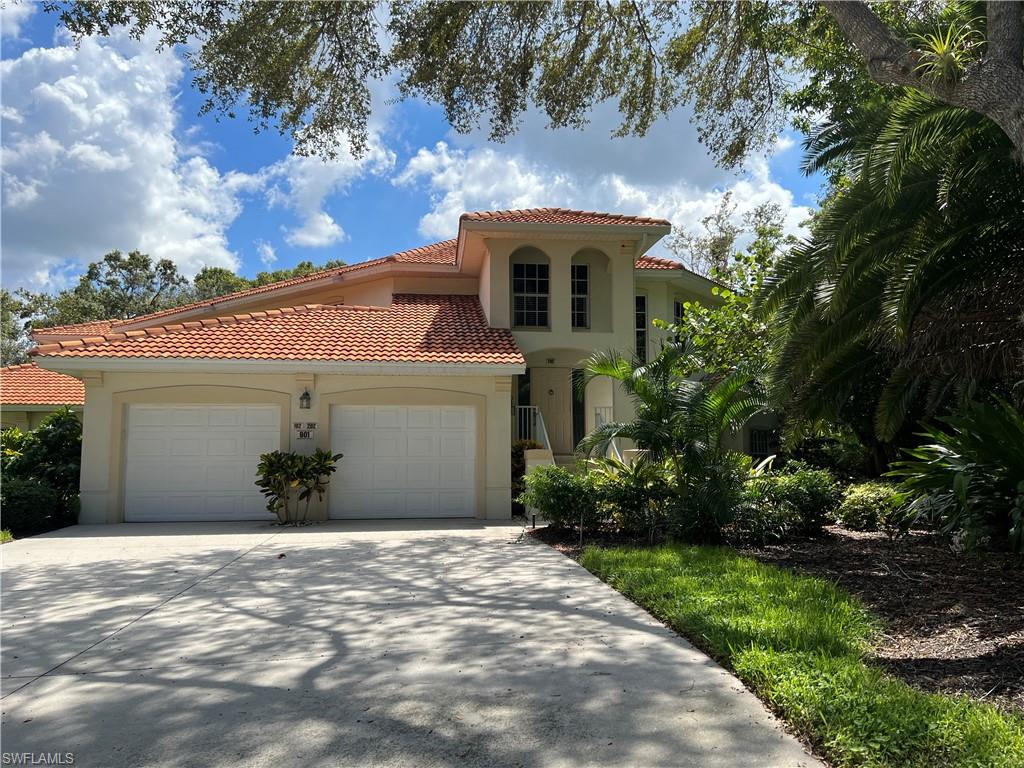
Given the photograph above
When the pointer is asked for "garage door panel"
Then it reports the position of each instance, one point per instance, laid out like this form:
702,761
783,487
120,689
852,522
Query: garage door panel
398,457
421,444
197,462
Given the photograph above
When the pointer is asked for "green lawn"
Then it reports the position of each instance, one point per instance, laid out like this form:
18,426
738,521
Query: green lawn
801,644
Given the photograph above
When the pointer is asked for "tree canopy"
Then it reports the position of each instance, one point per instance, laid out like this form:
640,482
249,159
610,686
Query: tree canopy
745,66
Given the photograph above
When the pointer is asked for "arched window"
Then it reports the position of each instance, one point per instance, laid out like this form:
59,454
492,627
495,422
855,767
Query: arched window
531,288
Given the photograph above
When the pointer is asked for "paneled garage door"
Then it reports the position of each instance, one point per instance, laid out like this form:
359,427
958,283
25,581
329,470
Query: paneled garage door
197,462
403,461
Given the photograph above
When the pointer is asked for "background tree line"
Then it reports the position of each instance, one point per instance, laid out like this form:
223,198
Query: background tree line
118,287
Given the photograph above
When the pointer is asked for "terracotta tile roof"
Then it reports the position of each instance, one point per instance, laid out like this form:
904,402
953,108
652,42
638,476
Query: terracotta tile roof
561,216
29,384
442,253
656,262
77,329
415,328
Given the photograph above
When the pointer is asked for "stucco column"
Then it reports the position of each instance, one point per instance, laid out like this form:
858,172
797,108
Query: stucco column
560,292
498,435
97,500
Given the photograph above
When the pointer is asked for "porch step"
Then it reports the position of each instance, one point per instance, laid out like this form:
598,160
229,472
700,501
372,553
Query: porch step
566,460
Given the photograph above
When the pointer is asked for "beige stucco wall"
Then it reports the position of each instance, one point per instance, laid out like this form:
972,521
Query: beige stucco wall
24,419
110,394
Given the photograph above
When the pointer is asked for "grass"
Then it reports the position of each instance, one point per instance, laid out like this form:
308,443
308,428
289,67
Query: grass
801,644
5,536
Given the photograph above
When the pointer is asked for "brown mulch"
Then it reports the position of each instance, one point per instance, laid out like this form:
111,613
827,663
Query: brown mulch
953,622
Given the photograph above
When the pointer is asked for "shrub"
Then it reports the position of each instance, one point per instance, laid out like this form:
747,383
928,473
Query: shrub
565,499
282,474
813,493
519,449
51,453
759,518
711,491
969,480
29,505
870,506
632,496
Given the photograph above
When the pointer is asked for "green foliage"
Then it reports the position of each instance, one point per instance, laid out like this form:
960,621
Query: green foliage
945,53
5,536
519,448
282,475
759,519
307,68
905,296
52,453
211,282
798,499
801,644
969,478
29,505
870,506
633,497
681,423
565,499
14,314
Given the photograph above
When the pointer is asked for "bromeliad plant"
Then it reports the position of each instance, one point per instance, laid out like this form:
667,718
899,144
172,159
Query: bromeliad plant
287,479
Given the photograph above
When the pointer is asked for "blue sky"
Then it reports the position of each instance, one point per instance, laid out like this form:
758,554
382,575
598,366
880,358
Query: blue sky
103,149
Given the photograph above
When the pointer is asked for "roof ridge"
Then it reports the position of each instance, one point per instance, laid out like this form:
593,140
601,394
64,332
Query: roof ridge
254,290
487,215
161,330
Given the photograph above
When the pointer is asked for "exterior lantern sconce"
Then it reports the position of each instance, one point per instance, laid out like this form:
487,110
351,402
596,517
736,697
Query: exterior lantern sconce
305,400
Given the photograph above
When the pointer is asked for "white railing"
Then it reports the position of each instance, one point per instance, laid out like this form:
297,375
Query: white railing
528,424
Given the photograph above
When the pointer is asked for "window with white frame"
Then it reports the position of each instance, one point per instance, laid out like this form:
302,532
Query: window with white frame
677,311
530,295
580,296
641,328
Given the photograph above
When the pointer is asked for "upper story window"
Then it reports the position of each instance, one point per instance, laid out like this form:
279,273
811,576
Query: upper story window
678,310
580,296
641,328
530,295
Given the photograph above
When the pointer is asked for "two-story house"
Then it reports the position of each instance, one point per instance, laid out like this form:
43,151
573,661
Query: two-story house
421,368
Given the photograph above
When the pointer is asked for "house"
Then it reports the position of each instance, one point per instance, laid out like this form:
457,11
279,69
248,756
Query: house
28,394
421,368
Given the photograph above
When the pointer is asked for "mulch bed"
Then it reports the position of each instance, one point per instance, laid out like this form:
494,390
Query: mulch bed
954,623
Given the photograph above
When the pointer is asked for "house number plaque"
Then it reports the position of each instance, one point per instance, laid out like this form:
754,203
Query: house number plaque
305,430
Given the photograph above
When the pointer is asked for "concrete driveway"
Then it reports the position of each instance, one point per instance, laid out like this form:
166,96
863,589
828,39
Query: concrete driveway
436,644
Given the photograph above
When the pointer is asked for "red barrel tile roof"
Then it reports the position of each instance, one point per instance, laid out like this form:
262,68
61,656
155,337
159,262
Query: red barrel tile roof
656,262
562,216
29,384
415,328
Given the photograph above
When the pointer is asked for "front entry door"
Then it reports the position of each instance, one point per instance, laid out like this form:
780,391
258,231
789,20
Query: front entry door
551,391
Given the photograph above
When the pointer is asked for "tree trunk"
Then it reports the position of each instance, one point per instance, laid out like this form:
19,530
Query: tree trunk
992,86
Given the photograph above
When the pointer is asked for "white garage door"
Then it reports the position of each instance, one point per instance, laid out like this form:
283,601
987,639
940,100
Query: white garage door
197,462
403,461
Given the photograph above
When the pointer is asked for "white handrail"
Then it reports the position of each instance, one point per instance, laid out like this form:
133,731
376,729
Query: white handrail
603,415
528,424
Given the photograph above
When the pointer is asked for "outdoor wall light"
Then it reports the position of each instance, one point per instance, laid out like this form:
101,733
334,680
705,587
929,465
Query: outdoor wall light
305,400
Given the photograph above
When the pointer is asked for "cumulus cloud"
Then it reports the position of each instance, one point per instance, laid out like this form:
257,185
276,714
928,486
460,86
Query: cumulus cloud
484,178
91,163
13,15
303,184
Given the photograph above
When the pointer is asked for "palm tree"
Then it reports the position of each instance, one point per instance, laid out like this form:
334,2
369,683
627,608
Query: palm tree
908,290
680,424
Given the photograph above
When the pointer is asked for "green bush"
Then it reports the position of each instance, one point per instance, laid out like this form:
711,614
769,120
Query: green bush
870,506
969,479
519,449
28,506
563,498
813,493
704,503
51,453
286,479
759,518
632,496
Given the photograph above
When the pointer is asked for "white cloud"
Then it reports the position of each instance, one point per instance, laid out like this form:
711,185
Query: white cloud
303,184
266,253
461,180
91,163
13,14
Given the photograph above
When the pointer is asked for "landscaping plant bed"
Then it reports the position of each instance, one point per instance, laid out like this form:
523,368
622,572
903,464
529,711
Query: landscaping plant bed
954,623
